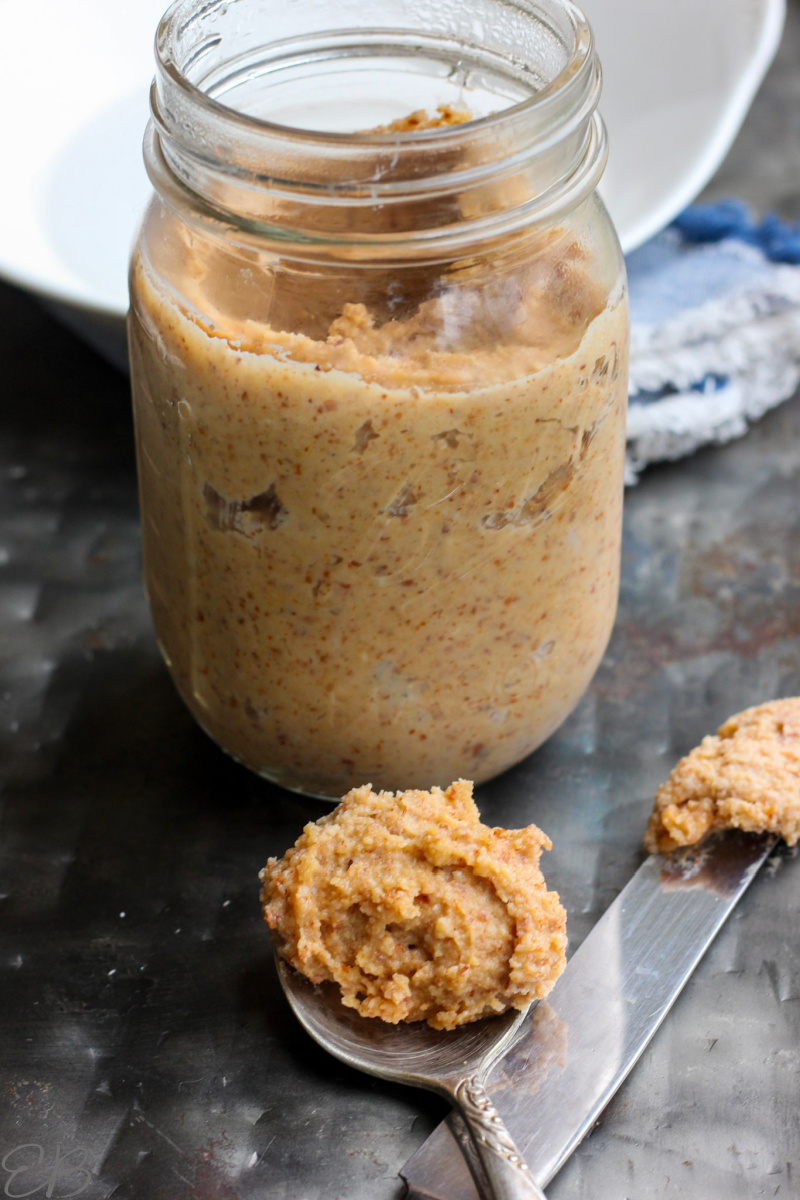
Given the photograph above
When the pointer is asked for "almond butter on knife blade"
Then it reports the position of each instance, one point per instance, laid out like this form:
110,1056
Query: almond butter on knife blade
741,789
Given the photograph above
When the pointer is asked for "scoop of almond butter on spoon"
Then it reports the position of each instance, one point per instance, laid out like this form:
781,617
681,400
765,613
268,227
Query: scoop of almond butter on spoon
439,932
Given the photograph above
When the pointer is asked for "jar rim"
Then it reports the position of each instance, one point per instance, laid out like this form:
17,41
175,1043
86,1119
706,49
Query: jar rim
525,164
578,64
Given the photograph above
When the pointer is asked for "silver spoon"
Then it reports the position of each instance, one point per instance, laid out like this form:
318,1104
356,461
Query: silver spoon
452,1063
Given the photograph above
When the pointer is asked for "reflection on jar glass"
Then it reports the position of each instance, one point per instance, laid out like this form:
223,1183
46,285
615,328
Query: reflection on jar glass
378,341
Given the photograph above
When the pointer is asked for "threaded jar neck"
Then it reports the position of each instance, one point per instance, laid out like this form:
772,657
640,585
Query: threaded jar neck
271,118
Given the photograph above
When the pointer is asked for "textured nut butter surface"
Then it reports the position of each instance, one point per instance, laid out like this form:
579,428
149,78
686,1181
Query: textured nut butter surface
419,120
381,500
378,553
416,909
746,777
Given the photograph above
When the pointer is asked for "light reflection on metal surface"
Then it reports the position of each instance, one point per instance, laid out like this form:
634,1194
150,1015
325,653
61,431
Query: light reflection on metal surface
453,1063
609,1002
723,863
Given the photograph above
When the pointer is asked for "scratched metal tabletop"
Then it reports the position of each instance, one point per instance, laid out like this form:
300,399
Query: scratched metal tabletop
146,1051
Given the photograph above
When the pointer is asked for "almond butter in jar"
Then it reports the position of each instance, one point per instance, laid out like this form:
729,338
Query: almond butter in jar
379,381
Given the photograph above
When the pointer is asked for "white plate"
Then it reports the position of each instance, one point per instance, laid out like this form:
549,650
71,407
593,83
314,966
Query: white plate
679,78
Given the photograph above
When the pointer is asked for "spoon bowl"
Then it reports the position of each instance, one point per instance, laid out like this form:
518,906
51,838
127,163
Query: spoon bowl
453,1063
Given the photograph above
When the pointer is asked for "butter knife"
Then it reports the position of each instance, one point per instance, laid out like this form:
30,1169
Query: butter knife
575,1049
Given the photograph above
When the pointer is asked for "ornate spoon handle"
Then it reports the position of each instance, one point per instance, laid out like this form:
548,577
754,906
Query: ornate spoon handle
505,1167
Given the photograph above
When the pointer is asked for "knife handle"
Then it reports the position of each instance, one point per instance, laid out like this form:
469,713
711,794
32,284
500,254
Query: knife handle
506,1169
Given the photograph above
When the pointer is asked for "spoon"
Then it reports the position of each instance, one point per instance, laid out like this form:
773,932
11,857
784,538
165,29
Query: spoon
453,1063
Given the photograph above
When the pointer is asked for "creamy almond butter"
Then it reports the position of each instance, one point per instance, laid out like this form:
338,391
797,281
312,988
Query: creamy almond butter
747,776
379,546
416,909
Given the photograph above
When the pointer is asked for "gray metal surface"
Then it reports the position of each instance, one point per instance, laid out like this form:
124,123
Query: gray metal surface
603,1011
453,1063
146,1050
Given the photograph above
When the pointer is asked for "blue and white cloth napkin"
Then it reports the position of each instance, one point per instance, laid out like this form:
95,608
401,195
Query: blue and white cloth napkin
715,337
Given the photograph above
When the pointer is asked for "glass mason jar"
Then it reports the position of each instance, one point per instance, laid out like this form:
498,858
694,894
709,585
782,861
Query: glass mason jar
378,341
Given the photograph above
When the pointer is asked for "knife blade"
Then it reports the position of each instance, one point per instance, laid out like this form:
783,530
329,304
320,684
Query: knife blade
575,1049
